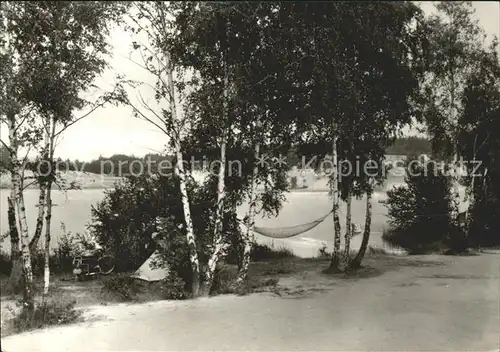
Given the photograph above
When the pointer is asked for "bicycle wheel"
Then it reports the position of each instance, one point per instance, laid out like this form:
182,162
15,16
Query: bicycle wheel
106,264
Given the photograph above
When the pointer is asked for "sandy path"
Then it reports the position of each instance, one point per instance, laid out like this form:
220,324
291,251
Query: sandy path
454,306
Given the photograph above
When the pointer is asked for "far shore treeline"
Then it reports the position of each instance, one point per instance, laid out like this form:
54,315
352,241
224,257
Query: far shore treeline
407,146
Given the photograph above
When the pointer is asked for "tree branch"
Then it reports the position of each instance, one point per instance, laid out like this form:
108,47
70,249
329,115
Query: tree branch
65,127
147,118
24,119
6,146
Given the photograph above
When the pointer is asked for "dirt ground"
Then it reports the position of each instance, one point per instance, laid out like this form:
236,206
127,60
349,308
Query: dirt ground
396,304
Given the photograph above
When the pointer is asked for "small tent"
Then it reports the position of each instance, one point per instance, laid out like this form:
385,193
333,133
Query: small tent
150,270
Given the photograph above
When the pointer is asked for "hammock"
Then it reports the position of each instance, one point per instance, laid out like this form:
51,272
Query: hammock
286,232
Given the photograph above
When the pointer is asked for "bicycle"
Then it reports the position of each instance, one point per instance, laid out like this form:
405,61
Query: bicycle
97,263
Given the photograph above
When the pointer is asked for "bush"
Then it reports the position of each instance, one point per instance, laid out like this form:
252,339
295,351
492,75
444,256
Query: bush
54,312
262,252
61,258
126,289
123,288
419,212
173,287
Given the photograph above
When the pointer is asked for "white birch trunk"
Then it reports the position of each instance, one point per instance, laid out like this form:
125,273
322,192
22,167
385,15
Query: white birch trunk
18,269
39,219
335,262
16,273
42,195
471,196
455,187
48,217
356,263
217,235
181,174
247,245
348,230
219,245
190,238
28,299
46,268
41,204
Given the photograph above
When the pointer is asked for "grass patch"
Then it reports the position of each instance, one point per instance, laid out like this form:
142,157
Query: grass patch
255,284
55,312
378,251
257,281
262,252
281,267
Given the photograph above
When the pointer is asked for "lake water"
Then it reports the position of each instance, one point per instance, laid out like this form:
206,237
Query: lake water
73,208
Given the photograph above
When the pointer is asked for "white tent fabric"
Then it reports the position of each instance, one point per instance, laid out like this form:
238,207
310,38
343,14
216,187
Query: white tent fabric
150,272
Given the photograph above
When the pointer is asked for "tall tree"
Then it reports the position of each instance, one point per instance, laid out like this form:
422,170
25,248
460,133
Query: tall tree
355,86
455,38
155,22
14,115
230,48
60,48
479,143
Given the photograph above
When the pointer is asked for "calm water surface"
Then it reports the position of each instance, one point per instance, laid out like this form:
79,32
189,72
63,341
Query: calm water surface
73,209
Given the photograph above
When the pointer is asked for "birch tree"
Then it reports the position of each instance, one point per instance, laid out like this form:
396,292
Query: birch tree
378,107
479,142
353,86
59,48
239,101
207,45
154,23
14,114
454,39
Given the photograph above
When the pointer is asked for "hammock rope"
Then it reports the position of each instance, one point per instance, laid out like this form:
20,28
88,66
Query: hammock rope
291,231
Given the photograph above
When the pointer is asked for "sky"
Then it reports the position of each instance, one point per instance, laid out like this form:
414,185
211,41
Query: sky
114,130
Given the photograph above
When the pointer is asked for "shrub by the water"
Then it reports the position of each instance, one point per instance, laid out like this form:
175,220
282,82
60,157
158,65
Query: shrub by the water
420,211
262,252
